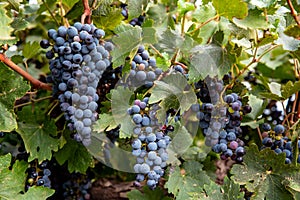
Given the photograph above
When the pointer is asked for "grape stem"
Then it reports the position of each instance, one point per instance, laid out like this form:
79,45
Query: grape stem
32,101
254,60
293,12
87,14
36,83
204,23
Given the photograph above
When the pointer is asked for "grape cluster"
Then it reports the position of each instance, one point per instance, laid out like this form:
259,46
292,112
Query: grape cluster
220,119
143,70
149,145
38,175
278,142
78,59
135,21
77,187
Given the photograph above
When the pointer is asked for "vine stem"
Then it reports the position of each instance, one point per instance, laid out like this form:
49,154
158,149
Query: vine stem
254,60
86,17
36,83
293,12
204,23
32,101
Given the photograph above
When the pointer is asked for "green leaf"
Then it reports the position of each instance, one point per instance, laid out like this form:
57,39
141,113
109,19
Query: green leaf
271,96
19,24
128,38
6,30
289,89
208,60
36,192
149,35
275,88
181,141
254,20
262,172
31,49
231,8
169,41
163,62
36,131
147,194
262,3
252,124
111,155
288,43
120,102
76,155
12,87
135,8
11,181
231,190
184,7
204,13
191,179
69,3
109,21
256,105
174,85
103,8
293,31
105,122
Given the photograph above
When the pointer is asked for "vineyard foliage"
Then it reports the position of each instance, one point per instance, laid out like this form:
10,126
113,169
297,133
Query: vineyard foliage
250,47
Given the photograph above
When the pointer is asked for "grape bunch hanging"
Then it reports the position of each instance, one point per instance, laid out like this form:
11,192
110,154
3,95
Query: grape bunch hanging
78,58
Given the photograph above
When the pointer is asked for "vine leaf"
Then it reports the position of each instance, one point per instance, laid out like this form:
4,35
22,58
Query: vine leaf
231,190
127,40
292,31
6,29
173,86
12,181
256,105
181,141
254,20
12,87
147,194
170,41
31,49
289,89
37,139
108,21
36,192
190,179
38,131
287,42
228,191
76,155
120,102
69,3
105,122
231,8
262,4
208,60
263,173
135,8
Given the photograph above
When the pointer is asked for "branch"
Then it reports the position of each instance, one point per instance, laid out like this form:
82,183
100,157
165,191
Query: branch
293,12
36,83
86,17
